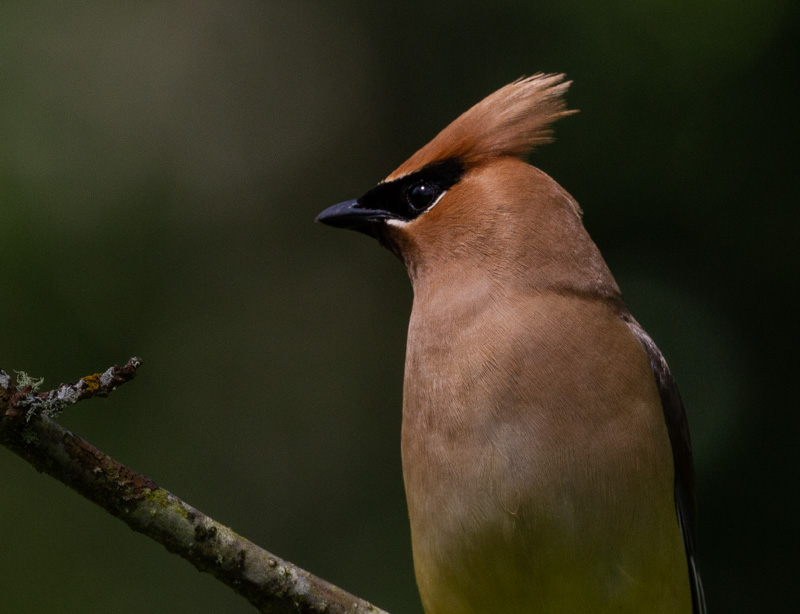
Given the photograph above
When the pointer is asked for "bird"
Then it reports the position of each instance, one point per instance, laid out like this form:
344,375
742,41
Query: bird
545,448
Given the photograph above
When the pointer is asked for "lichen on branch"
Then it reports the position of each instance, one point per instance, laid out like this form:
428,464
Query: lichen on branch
28,428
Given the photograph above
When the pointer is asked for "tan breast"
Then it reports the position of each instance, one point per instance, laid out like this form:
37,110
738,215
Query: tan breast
537,464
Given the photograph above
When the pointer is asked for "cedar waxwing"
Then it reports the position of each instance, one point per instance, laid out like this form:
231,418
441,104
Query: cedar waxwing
546,454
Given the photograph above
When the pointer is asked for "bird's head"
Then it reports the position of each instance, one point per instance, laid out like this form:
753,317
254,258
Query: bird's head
468,200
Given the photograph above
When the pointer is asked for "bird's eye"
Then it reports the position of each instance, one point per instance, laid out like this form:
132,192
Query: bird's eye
421,195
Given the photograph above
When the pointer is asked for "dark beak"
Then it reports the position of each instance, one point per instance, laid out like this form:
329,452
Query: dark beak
349,215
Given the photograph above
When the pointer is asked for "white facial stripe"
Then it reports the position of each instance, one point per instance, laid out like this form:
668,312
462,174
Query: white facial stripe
402,223
435,202
393,179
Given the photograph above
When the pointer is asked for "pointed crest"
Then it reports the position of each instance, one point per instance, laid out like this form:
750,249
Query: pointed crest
510,122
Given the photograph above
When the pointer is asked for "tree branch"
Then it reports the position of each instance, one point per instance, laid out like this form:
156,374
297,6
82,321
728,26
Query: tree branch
271,584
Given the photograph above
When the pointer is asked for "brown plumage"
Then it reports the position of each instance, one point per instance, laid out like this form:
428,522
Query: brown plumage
545,451
510,122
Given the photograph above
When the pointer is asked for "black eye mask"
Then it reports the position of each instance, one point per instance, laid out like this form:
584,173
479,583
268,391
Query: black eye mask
409,196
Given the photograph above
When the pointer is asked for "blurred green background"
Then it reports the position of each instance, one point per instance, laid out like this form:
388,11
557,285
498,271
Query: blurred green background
160,168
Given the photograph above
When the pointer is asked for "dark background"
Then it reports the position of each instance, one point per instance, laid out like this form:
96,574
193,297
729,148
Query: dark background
160,168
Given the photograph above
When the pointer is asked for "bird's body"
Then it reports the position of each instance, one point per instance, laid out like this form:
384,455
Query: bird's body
575,529
539,458
538,467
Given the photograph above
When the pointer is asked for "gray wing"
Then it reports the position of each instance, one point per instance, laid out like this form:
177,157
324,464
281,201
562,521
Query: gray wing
678,429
